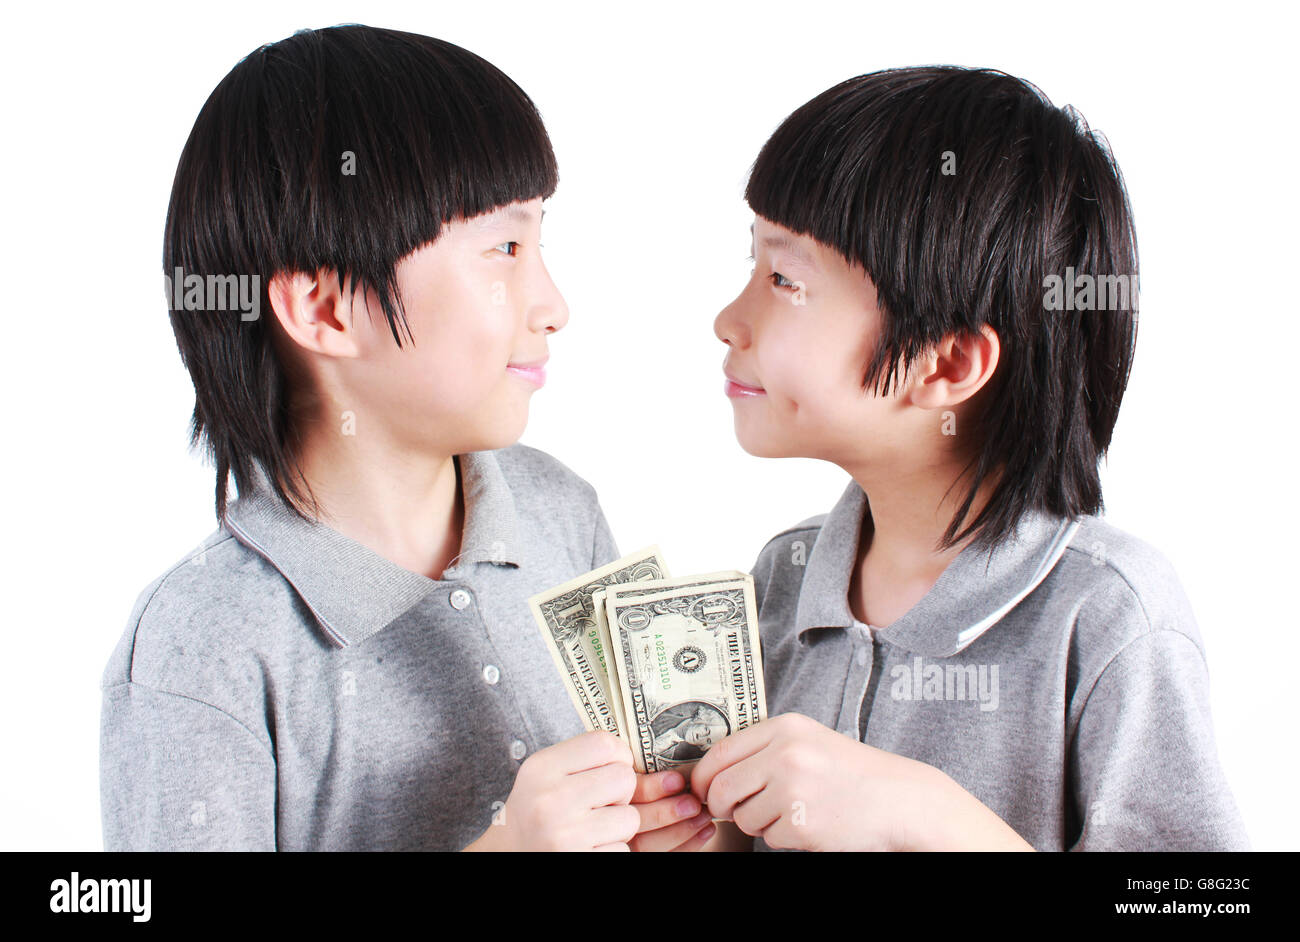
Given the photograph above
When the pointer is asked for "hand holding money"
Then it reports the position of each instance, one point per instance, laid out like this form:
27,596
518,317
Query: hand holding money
671,665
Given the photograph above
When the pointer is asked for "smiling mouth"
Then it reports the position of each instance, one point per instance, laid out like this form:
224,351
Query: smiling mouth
738,391
533,374
734,388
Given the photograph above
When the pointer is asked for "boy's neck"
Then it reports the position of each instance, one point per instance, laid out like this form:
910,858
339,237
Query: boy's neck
897,562
408,509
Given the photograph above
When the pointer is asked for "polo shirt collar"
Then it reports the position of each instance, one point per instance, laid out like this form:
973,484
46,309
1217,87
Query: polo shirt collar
352,591
977,589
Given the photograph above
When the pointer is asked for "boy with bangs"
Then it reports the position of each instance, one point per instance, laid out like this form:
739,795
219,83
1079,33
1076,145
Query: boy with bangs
349,662
963,653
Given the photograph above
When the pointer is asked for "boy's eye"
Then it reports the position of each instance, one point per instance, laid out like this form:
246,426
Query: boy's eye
509,248
778,279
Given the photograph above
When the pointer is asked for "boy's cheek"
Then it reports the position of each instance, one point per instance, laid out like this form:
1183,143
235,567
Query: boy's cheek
430,390
465,392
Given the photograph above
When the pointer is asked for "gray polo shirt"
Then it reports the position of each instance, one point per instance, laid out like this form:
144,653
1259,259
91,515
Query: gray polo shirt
1060,679
286,688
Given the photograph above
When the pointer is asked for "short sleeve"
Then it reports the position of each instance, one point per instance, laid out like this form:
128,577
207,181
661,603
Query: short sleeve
1145,772
762,571
604,550
179,774
759,573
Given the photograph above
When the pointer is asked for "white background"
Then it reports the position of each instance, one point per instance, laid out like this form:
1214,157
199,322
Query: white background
656,117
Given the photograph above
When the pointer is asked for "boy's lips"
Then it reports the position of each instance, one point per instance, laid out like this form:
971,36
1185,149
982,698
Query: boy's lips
736,389
533,371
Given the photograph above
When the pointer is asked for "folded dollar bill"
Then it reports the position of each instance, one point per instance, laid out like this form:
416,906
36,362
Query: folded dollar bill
567,617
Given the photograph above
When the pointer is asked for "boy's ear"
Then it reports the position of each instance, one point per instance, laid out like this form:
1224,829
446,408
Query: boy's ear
314,311
956,369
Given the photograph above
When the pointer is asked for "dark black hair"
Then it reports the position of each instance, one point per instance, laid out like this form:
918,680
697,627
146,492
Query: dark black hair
435,132
961,193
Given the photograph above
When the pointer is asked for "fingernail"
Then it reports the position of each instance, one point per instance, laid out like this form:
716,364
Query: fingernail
673,781
687,806
701,818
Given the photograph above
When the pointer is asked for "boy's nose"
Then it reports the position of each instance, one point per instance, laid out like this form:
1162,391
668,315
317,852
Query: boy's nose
548,311
730,328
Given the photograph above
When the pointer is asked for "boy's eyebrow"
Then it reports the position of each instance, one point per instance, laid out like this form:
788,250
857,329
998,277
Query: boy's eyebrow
517,213
785,244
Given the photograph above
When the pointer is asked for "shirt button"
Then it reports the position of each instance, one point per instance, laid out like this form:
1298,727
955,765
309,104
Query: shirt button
518,749
860,656
459,599
491,674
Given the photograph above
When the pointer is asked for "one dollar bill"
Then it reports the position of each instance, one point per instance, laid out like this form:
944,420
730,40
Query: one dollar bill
687,664
567,619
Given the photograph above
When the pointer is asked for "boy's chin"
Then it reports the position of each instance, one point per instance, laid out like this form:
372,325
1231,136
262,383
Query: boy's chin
500,431
503,434
761,446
